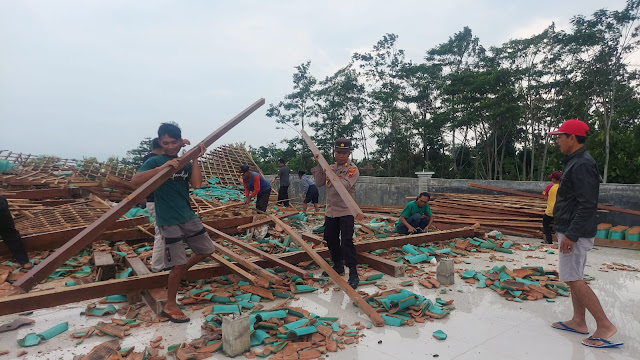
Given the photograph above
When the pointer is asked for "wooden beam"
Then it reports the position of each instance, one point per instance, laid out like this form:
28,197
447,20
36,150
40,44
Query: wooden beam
624,244
49,298
104,262
252,278
255,269
64,253
223,224
383,265
508,191
335,181
55,239
41,193
156,297
313,238
359,300
265,221
263,255
520,193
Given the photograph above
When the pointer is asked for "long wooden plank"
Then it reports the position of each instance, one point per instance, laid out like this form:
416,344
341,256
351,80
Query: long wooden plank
313,238
624,244
49,298
255,269
265,221
335,181
360,302
64,253
40,193
236,269
520,193
263,255
54,239
383,265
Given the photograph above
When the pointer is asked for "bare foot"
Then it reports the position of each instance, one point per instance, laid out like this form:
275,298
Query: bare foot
578,327
602,332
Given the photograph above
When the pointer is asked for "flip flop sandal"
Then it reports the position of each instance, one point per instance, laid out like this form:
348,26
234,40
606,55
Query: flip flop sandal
172,319
606,343
566,327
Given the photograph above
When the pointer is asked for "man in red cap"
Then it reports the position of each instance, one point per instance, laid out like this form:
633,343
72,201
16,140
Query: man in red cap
575,223
550,195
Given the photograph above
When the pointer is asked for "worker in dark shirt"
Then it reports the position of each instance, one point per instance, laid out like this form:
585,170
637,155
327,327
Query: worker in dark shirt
11,236
157,257
283,175
575,216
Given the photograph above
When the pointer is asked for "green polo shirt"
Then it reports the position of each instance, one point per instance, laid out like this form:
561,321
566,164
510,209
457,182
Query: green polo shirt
412,208
172,197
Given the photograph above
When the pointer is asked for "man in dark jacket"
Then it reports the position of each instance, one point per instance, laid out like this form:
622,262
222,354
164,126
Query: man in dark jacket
575,217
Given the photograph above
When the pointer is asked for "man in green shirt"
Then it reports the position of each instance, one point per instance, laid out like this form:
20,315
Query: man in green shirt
175,219
416,216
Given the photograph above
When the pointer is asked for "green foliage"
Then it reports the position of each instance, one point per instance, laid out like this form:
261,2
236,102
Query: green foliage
471,112
134,156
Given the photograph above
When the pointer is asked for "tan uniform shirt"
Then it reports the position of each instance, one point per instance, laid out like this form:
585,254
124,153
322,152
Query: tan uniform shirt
348,174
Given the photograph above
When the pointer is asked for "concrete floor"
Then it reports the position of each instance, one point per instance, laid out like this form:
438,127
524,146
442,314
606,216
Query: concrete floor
483,326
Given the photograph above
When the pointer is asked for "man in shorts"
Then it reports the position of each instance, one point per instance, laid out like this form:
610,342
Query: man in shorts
310,192
176,220
575,218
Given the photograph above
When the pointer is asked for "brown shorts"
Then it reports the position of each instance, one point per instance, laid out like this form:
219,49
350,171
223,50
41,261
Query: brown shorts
193,233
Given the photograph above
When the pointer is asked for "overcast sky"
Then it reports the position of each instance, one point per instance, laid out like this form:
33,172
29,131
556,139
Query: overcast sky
93,78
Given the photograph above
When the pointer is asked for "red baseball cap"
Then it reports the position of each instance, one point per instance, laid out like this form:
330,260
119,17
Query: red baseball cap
572,127
556,175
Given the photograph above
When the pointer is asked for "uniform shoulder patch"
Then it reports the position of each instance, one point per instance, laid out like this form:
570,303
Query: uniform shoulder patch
351,172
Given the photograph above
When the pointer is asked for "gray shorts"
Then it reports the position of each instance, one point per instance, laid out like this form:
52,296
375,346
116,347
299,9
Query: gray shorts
193,233
571,265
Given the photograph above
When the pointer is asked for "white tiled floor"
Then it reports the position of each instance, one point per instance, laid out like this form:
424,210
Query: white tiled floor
483,326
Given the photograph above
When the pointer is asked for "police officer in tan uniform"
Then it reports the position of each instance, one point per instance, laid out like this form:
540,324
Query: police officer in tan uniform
338,226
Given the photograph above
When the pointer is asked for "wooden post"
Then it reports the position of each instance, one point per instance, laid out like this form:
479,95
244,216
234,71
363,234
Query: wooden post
64,253
335,181
362,304
155,298
104,261
383,265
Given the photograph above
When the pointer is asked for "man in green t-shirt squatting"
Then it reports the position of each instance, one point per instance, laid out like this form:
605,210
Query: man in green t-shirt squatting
175,219
416,216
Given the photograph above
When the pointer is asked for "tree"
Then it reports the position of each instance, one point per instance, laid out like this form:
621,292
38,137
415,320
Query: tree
297,106
134,156
601,44
462,52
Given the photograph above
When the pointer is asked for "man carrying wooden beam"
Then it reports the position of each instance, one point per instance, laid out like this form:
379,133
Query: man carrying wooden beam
339,222
175,218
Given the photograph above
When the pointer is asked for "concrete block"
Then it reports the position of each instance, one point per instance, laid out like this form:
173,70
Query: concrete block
444,272
236,334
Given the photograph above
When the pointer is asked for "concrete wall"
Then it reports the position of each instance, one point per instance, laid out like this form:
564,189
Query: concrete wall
372,190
